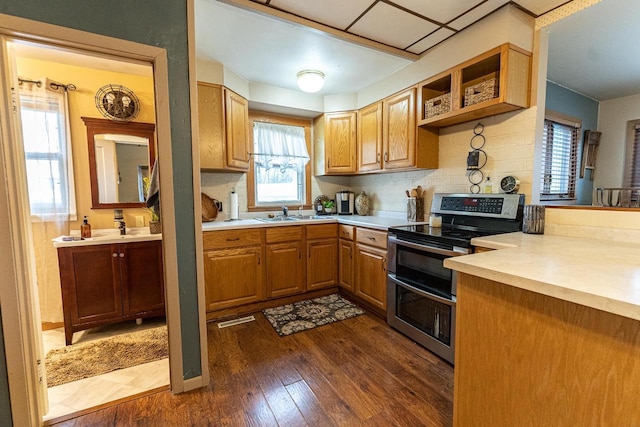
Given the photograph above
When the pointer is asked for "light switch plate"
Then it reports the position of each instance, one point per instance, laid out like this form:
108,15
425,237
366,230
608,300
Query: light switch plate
139,221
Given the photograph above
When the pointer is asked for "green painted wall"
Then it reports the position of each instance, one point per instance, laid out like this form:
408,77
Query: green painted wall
161,23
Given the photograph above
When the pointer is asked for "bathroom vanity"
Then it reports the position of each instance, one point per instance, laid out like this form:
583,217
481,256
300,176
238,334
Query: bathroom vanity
110,278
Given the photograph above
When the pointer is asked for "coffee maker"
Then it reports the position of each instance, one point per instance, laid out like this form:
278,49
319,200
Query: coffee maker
344,202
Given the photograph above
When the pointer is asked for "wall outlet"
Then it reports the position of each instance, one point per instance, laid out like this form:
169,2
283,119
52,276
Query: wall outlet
139,221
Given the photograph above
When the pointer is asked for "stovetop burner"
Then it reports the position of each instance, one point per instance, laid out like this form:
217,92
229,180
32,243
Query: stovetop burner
444,237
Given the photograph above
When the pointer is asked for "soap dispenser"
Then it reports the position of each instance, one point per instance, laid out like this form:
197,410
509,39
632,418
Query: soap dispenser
85,228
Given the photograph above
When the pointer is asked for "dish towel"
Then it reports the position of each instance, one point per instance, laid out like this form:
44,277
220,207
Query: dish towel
153,197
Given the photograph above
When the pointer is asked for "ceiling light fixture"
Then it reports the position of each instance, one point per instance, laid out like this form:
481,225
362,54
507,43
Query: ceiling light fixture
310,80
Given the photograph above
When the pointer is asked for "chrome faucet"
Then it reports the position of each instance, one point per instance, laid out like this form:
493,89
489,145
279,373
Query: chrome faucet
285,211
123,228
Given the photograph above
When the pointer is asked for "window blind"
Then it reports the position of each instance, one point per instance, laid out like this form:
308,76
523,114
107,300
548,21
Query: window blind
634,165
559,161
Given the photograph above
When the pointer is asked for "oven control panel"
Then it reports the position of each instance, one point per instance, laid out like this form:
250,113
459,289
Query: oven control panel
486,205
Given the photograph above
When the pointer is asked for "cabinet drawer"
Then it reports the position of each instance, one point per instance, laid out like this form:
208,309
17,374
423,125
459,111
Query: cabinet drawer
232,238
346,231
322,230
283,234
370,237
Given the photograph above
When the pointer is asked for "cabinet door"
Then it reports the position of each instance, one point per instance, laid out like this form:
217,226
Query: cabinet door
371,275
322,263
399,130
233,276
142,277
285,269
237,131
370,138
340,142
346,264
90,280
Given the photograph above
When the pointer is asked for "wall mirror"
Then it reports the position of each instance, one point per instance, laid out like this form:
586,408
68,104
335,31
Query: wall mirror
590,55
121,154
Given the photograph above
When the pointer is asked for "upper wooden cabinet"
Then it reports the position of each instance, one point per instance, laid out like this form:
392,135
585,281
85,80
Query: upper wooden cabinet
340,142
495,82
223,118
389,139
370,138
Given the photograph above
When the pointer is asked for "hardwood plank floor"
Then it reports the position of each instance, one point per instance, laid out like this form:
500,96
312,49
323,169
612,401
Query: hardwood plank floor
357,372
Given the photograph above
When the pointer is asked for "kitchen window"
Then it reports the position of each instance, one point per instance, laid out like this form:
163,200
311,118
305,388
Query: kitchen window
632,164
280,172
559,158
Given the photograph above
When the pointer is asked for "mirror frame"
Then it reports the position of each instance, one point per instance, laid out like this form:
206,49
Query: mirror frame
98,126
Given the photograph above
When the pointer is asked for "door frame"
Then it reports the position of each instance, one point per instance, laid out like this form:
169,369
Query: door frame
18,327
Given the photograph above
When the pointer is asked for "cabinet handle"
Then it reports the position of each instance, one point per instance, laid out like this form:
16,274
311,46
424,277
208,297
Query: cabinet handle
386,157
115,255
384,264
299,254
258,259
233,240
378,158
371,238
121,255
328,163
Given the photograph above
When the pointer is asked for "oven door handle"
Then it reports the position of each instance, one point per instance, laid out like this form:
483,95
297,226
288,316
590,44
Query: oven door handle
446,301
425,248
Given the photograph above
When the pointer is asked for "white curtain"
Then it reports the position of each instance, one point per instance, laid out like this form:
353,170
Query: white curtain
279,146
49,167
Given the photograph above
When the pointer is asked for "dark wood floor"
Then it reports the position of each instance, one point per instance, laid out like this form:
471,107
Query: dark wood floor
357,372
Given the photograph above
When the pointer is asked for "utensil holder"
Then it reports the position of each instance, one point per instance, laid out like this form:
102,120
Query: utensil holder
533,219
415,209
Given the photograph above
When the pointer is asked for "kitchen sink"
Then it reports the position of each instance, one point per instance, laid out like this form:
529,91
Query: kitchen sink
278,219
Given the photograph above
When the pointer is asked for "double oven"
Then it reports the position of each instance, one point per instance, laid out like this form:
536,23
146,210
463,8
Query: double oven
421,292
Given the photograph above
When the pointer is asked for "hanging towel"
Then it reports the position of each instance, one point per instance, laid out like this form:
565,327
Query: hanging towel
153,196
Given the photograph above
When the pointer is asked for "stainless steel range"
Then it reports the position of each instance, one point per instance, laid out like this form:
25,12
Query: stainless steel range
421,292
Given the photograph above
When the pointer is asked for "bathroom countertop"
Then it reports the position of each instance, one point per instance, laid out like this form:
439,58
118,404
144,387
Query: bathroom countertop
107,236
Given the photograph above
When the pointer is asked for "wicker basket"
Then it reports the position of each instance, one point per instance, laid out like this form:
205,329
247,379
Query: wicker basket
209,208
481,92
438,105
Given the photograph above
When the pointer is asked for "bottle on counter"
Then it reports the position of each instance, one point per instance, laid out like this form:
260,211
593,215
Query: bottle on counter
488,186
85,228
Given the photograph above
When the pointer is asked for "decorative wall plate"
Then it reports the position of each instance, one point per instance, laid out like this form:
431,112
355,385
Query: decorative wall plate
117,103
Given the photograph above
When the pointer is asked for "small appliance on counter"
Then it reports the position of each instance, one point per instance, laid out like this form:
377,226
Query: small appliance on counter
344,202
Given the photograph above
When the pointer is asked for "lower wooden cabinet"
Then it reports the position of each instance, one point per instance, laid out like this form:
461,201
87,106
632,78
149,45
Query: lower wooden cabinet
346,259
285,261
233,276
322,256
104,284
371,267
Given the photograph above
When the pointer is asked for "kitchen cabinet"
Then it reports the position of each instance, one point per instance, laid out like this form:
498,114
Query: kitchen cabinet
346,249
223,118
371,267
340,143
104,284
233,268
507,65
285,261
406,146
322,256
370,138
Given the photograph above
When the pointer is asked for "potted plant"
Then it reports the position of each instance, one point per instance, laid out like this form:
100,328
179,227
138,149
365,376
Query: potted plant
155,226
328,205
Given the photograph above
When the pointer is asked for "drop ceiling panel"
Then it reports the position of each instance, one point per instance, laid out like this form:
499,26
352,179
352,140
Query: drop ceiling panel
477,13
442,11
392,26
431,40
540,7
335,13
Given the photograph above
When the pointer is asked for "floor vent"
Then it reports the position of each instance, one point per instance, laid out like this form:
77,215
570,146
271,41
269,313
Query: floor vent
237,321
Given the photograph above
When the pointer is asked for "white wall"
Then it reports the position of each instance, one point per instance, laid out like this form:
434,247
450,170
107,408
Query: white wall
613,119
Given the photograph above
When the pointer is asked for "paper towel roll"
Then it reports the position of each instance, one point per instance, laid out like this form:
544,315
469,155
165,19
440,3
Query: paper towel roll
233,206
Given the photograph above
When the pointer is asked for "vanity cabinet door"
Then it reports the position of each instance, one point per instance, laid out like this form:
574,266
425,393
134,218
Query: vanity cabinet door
91,288
142,277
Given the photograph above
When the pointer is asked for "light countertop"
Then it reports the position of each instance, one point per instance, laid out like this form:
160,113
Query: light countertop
377,222
107,236
601,274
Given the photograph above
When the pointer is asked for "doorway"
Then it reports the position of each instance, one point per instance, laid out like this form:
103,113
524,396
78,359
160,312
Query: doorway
81,74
